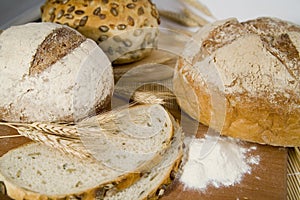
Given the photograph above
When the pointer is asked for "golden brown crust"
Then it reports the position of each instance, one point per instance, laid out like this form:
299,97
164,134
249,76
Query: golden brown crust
163,186
267,115
100,20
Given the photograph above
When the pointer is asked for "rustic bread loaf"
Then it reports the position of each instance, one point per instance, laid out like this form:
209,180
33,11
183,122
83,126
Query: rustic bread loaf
242,79
51,72
35,171
126,30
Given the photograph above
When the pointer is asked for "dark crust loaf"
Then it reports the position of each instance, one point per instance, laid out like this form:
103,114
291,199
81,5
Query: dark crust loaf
55,46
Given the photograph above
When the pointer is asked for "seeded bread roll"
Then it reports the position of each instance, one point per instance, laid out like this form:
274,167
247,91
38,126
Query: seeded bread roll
242,79
51,72
126,30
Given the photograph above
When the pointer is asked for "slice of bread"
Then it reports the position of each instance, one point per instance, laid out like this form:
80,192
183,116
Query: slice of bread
35,171
134,136
153,185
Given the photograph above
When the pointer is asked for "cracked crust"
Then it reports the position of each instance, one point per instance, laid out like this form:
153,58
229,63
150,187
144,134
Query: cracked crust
252,68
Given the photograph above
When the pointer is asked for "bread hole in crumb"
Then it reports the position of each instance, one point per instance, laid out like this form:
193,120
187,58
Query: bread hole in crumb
2,188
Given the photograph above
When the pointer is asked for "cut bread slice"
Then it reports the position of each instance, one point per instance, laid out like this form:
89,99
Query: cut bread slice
128,139
152,185
135,135
36,171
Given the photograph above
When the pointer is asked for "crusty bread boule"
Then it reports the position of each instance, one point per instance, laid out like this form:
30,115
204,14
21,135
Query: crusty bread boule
125,29
243,79
50,72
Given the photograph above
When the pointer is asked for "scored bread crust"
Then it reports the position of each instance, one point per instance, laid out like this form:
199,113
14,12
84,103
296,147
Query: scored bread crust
255,68
52,73
101,20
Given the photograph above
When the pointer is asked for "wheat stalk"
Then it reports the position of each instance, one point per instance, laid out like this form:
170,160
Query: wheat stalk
179,18
67,137
59,136
10,136
199,6
200,20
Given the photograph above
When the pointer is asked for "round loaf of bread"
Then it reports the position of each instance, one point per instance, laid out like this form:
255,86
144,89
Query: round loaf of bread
243,79
50,72
126,30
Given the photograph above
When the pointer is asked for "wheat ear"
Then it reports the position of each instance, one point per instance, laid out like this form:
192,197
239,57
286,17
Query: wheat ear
67,137
63,137
199,6
200,20
179,18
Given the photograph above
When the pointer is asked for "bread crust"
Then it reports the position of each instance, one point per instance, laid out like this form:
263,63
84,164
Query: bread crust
45,68
101,20
257,64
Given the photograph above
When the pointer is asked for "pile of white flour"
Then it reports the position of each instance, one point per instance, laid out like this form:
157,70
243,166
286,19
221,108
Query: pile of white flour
222,164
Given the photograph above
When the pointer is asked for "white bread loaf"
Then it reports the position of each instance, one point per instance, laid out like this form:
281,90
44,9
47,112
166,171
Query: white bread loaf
242,79
35,171
51,72
126,30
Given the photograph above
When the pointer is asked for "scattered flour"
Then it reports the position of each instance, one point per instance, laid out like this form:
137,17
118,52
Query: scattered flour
224,164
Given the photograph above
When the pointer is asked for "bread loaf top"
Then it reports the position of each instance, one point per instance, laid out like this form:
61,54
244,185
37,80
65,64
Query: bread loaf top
51,72
125,30
256,58
242,79
100,19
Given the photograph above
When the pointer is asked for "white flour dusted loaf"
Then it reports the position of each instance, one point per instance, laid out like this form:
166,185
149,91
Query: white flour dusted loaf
243,79
51,72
